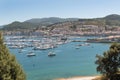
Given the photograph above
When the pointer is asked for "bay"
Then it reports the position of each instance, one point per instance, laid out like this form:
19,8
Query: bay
68,61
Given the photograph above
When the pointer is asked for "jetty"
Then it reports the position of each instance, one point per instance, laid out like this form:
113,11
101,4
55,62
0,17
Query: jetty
109,39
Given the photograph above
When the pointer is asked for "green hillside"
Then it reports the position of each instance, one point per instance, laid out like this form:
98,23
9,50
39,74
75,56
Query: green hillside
19,25
49,21
110,20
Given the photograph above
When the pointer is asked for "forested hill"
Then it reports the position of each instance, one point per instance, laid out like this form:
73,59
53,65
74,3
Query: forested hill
112,17
19,25
49,21
111,20
36,22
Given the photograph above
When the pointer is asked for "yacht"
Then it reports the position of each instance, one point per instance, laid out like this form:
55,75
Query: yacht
31,54
51,54
77,47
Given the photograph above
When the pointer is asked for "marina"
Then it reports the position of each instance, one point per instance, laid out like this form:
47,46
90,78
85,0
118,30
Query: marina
37,43
67,61
60,40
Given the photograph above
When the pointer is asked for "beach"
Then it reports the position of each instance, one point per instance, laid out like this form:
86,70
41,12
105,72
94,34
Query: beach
79,78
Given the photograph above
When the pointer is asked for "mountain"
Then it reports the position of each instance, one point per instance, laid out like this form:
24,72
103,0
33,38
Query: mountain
49,21
36,22
19,25
112,17
111,20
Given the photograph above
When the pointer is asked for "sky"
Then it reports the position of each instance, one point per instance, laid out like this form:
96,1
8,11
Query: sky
21,10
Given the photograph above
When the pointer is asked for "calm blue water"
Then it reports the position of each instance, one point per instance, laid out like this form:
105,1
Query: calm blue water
68,61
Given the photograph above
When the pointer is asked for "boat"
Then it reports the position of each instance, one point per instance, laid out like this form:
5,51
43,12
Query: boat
45,46
51,54
31,54
77,47
85,44
80,45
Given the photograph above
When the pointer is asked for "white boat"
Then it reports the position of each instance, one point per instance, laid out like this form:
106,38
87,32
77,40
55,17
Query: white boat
51,54
77,47
31,54
87,44
44,46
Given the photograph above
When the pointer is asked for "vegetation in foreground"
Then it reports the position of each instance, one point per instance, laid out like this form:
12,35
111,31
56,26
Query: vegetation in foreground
9,67
109,63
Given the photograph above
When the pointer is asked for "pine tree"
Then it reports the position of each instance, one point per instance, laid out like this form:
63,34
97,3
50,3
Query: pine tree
109,63
9,67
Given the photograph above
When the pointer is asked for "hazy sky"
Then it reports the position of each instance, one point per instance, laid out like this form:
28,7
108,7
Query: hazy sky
21,10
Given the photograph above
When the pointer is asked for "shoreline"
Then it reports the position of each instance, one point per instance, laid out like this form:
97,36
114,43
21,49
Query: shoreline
79,78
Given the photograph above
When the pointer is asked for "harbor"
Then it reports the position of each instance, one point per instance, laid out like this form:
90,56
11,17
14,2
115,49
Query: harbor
37,43
108,39
60,40
66,61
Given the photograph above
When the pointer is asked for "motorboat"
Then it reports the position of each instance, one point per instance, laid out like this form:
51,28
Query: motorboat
51,54
77,47
31,54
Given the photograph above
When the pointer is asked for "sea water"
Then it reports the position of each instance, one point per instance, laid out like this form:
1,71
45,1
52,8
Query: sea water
68,62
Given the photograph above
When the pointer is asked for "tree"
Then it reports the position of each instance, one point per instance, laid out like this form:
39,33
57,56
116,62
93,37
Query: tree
9,67
109,63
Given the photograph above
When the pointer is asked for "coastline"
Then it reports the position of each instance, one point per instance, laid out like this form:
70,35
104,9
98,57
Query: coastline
79,78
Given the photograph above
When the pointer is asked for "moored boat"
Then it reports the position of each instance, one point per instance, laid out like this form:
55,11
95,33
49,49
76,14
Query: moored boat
77,47
51,54
31,54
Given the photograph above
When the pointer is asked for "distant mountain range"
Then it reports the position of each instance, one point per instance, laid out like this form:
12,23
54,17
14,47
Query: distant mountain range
49,21
19,25
36,22
112,20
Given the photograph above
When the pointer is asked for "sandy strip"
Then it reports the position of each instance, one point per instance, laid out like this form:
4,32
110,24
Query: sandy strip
79,78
